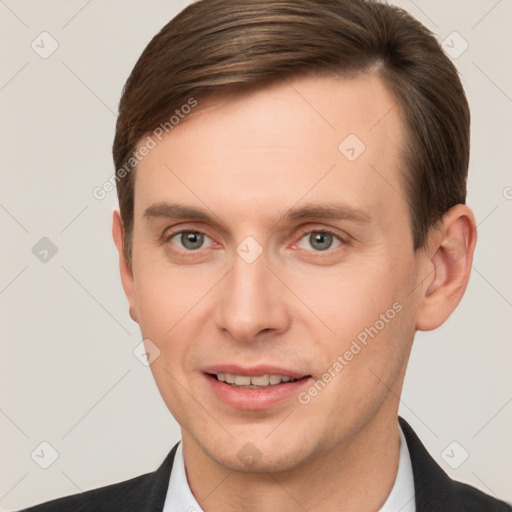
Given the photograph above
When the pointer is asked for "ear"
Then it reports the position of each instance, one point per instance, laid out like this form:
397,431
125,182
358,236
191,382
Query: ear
448,259
125,269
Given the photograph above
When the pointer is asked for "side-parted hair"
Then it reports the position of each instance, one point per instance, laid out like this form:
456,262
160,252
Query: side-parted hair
223,45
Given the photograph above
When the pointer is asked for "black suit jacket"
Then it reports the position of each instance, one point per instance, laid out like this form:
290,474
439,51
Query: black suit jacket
435,491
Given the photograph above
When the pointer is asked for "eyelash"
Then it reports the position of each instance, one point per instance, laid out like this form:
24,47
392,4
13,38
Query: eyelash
337,236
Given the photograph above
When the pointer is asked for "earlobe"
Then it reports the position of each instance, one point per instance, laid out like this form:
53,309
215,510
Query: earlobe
125,269
449,257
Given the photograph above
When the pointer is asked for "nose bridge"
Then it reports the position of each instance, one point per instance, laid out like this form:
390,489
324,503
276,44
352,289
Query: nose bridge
251,300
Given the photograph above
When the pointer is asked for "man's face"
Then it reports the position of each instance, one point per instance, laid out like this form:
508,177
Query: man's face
255,287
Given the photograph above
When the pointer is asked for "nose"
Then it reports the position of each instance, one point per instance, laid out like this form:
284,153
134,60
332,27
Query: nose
253,302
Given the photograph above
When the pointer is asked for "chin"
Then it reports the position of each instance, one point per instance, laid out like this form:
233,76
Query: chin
260,454
263,462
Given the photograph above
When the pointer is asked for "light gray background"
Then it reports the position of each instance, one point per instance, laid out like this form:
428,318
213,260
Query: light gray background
68,374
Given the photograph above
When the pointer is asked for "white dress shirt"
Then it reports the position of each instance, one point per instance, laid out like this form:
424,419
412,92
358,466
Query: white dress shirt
179,497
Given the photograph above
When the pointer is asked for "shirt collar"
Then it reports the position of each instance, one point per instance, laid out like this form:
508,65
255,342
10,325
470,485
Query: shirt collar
402,496
179,497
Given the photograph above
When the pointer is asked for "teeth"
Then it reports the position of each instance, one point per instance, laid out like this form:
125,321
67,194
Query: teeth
253,382
242,381
275,379
264,380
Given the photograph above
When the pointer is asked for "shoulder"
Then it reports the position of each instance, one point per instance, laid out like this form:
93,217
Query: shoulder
435,491
471,499
127,495
140,494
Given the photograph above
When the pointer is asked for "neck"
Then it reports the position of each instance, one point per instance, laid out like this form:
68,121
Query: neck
355,475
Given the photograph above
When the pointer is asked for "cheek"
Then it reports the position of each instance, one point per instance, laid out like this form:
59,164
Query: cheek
352,299
362,365
369,318
165,295
174,311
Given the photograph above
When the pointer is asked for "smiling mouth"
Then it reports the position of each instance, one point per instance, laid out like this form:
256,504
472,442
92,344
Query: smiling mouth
254,382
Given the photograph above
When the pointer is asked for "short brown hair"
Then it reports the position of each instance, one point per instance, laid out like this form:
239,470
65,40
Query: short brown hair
215,45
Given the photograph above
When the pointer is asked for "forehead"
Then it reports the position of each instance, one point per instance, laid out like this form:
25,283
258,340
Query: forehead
255,154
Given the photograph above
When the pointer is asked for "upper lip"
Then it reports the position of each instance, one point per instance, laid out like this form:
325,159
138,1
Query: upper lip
253,371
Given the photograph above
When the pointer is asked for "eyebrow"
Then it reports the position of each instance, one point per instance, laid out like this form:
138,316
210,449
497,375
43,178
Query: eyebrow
327,212
163,210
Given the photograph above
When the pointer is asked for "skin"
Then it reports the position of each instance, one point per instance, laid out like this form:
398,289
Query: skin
247,159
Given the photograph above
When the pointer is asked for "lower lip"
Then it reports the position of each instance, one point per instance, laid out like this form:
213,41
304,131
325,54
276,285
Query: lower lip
255,399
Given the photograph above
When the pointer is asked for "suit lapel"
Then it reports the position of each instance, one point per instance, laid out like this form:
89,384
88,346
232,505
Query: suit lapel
433,487
160,484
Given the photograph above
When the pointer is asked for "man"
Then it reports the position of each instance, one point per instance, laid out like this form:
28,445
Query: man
291,180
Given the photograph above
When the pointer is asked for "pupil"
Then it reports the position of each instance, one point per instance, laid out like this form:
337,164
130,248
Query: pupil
192,240
320,241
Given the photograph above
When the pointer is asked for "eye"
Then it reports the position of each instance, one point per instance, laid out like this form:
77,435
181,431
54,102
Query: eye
189,240
319,240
